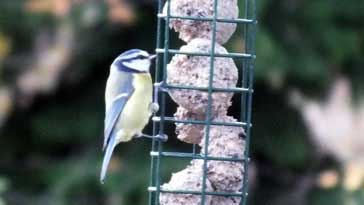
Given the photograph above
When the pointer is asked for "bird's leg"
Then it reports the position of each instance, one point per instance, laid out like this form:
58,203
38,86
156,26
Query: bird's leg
162,137
139,135
159,86
154,107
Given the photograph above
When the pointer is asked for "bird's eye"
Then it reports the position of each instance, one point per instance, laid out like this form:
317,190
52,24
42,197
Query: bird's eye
140,57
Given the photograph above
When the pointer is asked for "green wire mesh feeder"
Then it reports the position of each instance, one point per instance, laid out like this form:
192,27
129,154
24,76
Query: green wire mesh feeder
158,193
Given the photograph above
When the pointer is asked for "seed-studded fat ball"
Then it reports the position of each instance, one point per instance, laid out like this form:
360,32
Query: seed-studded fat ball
195,70
191,29
225,200
188,179
226,176
189,133
225,141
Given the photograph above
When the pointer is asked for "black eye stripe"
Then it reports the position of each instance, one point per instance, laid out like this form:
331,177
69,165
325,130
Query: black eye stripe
141,57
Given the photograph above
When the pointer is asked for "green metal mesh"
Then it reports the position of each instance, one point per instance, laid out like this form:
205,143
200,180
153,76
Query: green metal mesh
246,57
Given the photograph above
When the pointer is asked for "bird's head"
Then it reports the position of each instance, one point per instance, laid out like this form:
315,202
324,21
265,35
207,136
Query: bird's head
134,60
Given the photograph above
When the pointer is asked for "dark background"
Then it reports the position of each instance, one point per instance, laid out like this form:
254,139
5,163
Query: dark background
54,62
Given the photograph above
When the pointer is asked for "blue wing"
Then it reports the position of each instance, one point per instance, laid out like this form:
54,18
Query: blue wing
108,153
117,106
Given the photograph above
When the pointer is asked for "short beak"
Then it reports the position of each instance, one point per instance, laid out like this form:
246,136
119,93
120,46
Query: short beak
151,57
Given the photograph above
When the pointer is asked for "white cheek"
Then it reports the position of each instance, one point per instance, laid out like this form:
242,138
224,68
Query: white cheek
141,65
113,68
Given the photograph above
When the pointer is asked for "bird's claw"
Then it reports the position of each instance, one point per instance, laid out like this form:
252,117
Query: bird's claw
160,87
161,137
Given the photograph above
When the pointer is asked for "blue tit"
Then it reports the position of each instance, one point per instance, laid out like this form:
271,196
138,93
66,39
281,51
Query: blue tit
128,98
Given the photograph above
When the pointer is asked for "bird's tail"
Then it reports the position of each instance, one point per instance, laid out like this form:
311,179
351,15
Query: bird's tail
109,150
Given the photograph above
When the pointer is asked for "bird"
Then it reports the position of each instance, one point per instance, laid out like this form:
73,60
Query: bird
128,100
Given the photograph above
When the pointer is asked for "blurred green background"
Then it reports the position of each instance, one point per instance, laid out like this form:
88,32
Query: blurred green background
54,62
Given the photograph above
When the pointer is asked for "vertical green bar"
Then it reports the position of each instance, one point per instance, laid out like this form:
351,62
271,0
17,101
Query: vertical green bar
244,101
163,104
209,105
250,36
152,180
244,77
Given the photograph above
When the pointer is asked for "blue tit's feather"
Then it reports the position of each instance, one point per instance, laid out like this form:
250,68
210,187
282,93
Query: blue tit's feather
132,54
126,89
131,51
109,150
122,67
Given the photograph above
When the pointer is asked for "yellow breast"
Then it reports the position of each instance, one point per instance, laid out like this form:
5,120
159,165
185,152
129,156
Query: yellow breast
136,112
